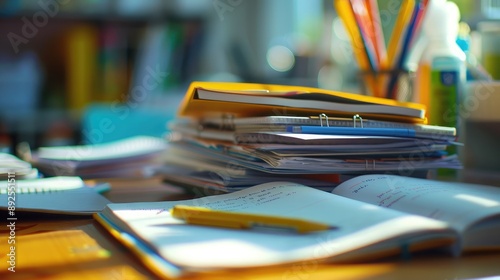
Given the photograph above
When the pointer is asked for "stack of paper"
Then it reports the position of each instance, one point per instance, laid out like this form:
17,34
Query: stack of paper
220,144
123,158
11,166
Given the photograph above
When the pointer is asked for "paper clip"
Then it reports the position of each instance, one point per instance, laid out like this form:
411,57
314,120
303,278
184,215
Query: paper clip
321,116
356,117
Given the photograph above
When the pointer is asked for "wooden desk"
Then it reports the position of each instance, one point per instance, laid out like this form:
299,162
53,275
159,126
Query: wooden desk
84,235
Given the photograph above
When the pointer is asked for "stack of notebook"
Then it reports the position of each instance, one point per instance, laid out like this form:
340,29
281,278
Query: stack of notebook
231,136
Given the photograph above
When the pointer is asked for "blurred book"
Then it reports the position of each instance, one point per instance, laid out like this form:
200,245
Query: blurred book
81,52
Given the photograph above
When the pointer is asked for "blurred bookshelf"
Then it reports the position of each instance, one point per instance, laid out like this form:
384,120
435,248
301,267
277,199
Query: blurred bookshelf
62,56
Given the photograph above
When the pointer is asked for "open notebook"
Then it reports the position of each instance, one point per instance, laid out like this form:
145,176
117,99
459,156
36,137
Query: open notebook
375,215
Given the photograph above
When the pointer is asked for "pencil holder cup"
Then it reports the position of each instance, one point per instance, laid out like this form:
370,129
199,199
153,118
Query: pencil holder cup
393,84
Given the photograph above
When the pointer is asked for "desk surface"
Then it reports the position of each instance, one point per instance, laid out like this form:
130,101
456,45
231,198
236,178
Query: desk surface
79,248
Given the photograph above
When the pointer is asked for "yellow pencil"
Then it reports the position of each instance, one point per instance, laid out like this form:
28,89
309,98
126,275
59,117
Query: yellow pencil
237,220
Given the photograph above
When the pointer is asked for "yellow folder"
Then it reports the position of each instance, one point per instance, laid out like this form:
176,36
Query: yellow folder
215,99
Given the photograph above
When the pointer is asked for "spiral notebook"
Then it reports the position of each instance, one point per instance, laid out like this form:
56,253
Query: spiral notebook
56,195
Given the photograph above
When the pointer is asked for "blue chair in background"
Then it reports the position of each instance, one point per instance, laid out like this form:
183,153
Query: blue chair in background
103,123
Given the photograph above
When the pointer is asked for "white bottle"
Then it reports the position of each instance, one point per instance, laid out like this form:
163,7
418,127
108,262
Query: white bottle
442,69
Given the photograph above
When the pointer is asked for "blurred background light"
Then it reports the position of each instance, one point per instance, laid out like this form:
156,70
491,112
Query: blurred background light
280,58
